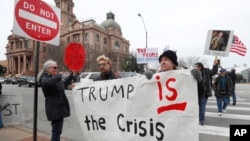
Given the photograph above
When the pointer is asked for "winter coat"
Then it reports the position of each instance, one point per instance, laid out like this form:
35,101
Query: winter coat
107,76
56,102
217,87
233,77
207,79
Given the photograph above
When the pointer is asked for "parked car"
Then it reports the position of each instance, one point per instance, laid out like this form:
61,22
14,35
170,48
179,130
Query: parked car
2,79
26,80
128,74
10,80
75,79
90,76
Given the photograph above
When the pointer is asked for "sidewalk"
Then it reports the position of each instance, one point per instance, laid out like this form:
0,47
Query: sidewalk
21,133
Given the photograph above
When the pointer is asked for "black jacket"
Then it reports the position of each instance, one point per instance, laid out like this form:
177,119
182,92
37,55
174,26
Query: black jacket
0,88
217,86
207,79
233,77
105,76
56,102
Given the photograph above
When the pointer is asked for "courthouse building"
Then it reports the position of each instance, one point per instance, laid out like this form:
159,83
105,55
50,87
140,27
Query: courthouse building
97,39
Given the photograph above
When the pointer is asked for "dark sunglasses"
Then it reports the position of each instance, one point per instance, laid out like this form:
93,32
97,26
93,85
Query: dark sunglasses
54,68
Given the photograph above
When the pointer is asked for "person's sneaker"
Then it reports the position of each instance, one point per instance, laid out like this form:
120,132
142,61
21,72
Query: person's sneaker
224,111
234,104
220,114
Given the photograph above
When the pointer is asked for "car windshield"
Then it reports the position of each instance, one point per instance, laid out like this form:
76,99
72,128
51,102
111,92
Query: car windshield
84,75
127,74
31,78
94,75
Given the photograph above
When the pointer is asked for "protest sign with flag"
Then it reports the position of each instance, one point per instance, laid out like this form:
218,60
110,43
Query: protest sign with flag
238,46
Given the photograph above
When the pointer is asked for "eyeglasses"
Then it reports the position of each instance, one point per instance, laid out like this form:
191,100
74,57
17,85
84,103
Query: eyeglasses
102,64
55,67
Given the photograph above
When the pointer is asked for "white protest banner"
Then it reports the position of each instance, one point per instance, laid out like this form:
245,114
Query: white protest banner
12,114
147,55
137,109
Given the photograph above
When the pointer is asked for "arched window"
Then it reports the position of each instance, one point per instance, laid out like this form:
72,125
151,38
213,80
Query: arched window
117,45
97,38
68,7
69,21
86,37
105,41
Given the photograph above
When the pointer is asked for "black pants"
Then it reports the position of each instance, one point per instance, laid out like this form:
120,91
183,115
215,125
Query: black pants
57,126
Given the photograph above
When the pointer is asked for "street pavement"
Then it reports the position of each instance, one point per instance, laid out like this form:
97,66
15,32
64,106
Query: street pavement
216,127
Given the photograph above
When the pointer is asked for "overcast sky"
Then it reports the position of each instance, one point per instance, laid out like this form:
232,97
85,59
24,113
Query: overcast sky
180,24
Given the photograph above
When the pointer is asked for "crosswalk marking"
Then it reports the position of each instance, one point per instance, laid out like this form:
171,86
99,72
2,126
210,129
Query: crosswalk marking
214,130
230,108
238,99
227,115
244,103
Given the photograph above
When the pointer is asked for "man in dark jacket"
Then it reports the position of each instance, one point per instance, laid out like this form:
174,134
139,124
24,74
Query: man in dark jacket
207,83
104,64
56,102
222,90
233,77
0,88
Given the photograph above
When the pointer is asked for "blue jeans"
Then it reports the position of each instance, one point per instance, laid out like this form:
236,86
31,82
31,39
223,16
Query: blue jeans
202,108
1,120
57,126
222,103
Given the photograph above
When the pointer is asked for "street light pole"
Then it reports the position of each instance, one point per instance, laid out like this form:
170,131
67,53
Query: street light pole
146,34
145,29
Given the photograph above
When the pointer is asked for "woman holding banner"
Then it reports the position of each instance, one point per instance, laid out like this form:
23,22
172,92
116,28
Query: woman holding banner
56,102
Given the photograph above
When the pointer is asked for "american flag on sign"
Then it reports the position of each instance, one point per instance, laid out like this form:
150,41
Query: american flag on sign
238,47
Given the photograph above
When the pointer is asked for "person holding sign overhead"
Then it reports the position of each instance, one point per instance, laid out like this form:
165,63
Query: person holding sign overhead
207,81
56,102
104,64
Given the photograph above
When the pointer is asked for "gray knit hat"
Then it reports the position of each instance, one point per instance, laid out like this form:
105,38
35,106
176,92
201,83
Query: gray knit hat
170,55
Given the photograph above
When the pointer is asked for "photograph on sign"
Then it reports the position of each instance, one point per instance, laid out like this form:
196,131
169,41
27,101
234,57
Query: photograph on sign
146,55
37,20
218,42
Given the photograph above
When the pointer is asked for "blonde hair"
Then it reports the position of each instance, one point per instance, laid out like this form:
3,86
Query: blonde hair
104,58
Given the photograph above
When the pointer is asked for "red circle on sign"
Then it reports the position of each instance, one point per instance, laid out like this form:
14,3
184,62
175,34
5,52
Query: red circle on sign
37,19
74,57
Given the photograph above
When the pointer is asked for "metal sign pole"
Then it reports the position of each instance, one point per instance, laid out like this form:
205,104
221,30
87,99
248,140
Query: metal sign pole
36,92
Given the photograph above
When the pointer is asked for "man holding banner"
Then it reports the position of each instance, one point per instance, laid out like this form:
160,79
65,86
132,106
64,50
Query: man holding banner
104,64
207,80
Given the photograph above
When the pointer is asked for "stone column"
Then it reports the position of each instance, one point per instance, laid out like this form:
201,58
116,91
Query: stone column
19,64
24,64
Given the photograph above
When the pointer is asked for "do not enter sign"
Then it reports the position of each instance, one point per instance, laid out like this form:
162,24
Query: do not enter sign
37,20
74,57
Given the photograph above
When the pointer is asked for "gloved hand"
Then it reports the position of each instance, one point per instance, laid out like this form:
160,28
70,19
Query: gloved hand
148,74
197,75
